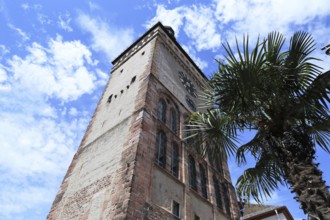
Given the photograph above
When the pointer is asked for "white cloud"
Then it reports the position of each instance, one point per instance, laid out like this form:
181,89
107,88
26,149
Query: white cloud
27,6
73,111
202,31
192,53
4,85
206,25
173,18
64,22
33,154
93,6
3,75
109,40
19,31
38,141
60,71
43,19
3,51
260,17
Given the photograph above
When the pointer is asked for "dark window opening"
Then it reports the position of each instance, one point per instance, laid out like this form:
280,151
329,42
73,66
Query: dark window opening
173,120
133,79
161,149
162,110
217,191
176,209
192,172
175,160
110,98
196,217
226,197
215,162
203,177
143,53
121,70
186,134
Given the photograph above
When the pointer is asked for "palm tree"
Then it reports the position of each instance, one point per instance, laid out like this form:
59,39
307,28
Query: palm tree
283,97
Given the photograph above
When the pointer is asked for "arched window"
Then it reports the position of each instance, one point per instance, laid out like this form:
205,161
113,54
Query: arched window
215,162
175,160
203,177
217,192
173,120
161,149
186,134
226,197
162,110
192,172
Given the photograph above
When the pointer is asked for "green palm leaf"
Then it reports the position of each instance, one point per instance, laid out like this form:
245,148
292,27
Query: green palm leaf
260,181
212,131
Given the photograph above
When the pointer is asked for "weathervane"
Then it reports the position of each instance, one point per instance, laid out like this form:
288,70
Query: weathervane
327,49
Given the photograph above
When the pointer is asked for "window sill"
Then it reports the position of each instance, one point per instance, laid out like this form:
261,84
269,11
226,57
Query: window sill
165,171
200,196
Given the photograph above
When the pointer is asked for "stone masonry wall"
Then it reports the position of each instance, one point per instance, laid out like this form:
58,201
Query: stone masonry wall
98,182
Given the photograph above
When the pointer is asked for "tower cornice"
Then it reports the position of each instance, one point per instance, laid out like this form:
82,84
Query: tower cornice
170,43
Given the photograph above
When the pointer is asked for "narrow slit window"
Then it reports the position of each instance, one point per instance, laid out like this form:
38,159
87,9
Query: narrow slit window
161,149
110,98
192,172
175,160
133,79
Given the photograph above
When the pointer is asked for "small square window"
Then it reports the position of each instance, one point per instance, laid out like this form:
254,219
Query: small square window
176,209
196,217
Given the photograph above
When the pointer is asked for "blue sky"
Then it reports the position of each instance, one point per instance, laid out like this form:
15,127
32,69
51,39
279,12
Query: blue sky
55,58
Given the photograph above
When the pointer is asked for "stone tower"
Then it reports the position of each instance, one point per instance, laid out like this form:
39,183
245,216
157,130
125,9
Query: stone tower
132,162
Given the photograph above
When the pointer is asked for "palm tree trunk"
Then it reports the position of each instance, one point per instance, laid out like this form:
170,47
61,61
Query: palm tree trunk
296,153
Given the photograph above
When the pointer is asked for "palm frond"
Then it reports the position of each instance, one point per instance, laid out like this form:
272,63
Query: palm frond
299,66
260,181
320,133
252,147
212,131
237,82
318,91
273,48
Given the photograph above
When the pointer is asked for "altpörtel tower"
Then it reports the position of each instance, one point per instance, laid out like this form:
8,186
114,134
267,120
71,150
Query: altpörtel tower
132,162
